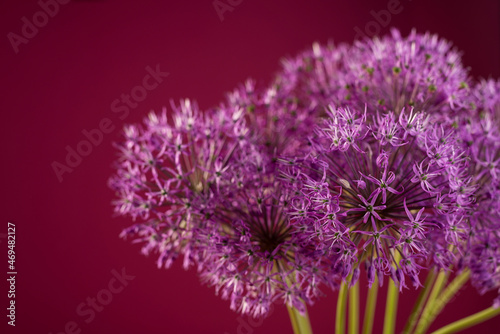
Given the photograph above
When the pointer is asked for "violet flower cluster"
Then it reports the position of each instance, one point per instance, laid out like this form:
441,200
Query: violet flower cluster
202,187
479,133
381,158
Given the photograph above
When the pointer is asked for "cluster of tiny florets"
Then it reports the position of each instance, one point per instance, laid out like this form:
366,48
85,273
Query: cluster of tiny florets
380,157
479,131
389,193
203,188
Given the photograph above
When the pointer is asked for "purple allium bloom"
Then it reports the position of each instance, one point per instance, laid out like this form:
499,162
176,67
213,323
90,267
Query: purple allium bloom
168,172
315,75
202,188
487,97
390,73
412,200
480,133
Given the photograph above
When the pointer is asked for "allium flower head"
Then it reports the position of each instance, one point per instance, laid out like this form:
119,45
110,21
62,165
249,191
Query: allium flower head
280,120
286,112
315,75
254,256
380,188
388,73
168,174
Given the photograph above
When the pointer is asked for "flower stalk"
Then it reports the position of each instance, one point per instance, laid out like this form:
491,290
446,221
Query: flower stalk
354,309
300,323
469,321
419,304
451,290
341,309
426,318
391,307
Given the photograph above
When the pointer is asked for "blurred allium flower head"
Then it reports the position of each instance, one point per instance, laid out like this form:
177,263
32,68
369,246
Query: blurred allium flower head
282,119
486,98
480,134
388,73
203,189
376,155
384,191
167,174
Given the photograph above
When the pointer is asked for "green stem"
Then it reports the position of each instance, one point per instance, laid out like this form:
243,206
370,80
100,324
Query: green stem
470,321
391,308
341,309
354,309
422,298
300,323
371,304
445,297
424,323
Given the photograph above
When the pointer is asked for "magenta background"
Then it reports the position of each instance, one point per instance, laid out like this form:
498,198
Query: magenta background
64,80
